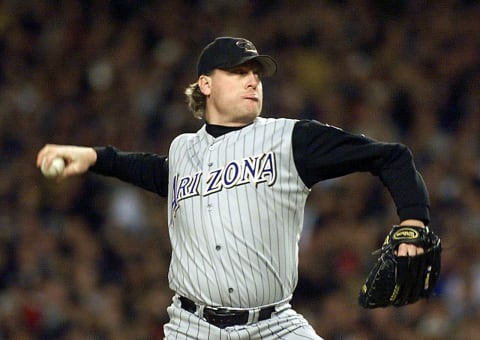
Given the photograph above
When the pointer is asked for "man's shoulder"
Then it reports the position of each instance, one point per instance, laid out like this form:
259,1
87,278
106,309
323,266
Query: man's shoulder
279,121
187,138
186,135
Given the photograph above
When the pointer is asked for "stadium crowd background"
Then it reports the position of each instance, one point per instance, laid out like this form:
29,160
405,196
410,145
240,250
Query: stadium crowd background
87,258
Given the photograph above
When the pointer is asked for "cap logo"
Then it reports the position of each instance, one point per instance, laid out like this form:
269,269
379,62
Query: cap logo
247,46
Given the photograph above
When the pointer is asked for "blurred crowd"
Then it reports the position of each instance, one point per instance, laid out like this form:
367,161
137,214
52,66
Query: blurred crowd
87,258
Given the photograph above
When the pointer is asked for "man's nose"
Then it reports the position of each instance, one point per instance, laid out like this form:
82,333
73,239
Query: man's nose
253,79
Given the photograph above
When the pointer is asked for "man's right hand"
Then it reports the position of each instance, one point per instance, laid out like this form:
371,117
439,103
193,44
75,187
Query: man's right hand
78,159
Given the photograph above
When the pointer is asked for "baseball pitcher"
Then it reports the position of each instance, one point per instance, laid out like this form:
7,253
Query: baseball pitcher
236,191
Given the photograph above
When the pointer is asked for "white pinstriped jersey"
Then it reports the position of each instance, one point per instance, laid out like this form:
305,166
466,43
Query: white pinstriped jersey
235,210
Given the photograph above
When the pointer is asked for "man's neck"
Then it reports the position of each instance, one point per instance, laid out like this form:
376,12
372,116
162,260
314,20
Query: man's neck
219,130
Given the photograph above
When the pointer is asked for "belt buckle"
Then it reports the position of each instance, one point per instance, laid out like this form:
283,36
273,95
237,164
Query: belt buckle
224,317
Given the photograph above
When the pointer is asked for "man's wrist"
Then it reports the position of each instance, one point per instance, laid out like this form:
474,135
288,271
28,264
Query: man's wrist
413,223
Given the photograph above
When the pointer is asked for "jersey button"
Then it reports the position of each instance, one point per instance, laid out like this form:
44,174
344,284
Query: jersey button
209,207
210,164
211,148
230,290
218,247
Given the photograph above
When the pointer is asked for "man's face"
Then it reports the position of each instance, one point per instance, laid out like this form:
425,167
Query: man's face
234,96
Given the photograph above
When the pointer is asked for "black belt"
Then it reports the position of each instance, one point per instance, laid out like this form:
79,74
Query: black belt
223,317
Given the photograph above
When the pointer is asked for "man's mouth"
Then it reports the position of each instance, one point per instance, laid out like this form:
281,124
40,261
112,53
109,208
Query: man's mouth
251,97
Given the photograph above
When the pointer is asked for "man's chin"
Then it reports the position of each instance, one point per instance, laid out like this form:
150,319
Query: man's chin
250,117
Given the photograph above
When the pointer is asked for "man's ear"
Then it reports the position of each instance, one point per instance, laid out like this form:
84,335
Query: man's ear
204,83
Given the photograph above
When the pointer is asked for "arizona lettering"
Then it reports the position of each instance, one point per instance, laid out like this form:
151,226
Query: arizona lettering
257,169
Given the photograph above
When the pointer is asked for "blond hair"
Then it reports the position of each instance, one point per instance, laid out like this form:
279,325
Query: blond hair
196,100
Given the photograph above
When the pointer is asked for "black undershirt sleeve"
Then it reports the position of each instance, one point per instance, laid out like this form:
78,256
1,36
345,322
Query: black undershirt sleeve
146,170
322,152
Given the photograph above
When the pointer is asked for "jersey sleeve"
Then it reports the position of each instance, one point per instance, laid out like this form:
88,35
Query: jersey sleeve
322,152
145,170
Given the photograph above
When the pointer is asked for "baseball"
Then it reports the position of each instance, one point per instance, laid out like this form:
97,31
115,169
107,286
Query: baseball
55,169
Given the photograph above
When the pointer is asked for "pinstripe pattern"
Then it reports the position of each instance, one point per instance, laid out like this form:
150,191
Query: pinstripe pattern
233,220
235,216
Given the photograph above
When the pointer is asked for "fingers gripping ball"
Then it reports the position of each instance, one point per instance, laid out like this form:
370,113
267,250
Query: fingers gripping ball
55,169
402,280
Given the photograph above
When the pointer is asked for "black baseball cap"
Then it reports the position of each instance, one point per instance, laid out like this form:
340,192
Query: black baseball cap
227,52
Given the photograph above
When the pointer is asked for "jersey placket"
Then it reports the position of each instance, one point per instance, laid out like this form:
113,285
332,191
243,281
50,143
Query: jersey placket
211,164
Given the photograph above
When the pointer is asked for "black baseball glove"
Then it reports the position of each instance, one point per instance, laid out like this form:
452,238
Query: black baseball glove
401,280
